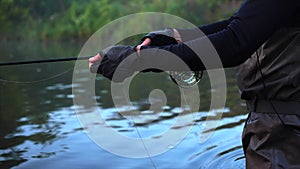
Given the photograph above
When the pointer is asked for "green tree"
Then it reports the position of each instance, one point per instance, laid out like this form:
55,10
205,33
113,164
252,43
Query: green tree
73,19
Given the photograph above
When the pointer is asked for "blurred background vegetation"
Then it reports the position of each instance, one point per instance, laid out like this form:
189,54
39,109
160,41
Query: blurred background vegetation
55,20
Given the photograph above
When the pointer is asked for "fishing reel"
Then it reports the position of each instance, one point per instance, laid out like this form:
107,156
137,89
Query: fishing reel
186,79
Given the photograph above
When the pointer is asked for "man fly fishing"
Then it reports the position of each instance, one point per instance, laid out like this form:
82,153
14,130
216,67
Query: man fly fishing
263,39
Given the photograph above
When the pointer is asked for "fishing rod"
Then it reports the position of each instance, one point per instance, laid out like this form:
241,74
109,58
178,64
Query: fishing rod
183,79
45,61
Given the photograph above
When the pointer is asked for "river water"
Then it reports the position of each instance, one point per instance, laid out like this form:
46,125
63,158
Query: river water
39,125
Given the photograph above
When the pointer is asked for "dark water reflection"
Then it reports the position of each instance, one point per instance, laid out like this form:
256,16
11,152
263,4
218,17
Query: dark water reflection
39,127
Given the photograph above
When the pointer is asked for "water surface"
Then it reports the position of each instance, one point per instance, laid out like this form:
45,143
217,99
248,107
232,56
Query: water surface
39,126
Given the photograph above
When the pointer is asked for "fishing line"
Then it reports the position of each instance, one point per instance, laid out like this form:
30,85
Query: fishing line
143,143
264,86
198,125
145,147
36,81
51,60
141,138
42,61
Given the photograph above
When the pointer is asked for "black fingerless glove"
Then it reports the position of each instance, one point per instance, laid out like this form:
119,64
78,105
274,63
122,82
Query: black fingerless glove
112,59
161,37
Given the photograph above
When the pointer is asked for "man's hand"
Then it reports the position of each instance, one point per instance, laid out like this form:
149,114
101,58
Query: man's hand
111,58
160,38
146,42
94,59
167,36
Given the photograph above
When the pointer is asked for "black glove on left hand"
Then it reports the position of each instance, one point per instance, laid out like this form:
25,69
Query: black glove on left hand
112,58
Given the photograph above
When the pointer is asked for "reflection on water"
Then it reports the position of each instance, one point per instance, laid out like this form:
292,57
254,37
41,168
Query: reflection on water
39,126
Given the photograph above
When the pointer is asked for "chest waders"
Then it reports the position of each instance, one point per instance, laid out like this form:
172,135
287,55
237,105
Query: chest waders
269,81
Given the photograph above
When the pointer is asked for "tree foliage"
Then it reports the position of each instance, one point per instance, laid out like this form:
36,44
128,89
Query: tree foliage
73,19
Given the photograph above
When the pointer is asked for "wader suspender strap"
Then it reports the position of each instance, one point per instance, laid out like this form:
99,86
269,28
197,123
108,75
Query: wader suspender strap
271,104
